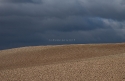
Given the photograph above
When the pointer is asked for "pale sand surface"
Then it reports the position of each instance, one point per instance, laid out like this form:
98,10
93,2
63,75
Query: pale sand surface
81,62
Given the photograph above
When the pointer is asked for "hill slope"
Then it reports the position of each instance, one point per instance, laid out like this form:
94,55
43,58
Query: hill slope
90,62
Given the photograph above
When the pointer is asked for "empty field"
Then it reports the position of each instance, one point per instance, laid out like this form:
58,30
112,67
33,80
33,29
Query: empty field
80,62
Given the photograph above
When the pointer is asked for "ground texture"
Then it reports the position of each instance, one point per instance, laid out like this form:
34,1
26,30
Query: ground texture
80,62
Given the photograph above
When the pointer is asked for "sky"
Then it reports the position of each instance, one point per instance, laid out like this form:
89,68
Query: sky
55,22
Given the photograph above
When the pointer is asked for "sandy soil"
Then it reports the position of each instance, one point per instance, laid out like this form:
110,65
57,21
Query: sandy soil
81,62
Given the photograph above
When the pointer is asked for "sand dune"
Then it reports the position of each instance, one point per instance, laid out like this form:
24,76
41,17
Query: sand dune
81,62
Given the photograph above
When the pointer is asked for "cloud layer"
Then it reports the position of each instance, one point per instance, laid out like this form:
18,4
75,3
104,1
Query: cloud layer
36,22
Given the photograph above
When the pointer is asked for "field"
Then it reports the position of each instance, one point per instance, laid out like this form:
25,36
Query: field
75,62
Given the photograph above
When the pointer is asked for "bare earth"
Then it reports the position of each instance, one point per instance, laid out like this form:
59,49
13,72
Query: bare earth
80,62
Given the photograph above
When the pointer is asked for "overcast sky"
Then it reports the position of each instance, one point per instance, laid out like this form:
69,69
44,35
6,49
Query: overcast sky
46,22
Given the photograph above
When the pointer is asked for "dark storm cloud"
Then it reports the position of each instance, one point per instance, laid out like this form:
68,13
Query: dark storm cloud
111,9
47,9
24,23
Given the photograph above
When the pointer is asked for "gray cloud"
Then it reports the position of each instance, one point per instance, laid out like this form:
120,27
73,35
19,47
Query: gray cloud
92,8
20,1
111,9
24,23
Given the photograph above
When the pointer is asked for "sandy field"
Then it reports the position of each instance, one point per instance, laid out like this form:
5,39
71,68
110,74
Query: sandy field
75,62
